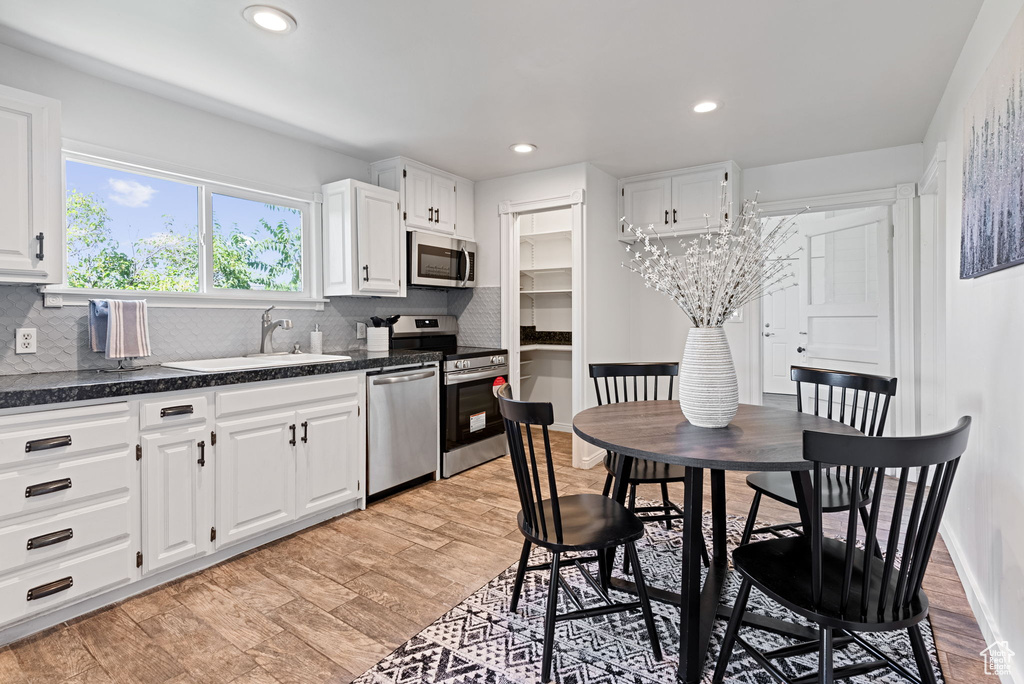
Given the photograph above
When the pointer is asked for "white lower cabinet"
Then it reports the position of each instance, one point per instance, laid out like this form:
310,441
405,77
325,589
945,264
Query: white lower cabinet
255,475
175,484
96,497
328,472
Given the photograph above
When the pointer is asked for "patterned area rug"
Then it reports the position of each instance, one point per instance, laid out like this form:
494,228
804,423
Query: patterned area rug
480,640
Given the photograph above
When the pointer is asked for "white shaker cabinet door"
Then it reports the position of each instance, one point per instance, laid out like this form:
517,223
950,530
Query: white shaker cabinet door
32,234
330,456
647,203
379,238
175,475
418,207
255,467
443,193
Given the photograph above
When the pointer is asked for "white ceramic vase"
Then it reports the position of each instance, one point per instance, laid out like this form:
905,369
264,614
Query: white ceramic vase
708,392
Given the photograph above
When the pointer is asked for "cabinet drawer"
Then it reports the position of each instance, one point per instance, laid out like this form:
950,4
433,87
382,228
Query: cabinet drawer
31,437
41,488
234,402
68,581
47,539
173,411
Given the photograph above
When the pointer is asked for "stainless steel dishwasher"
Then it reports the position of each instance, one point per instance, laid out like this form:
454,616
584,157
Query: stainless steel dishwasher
402,436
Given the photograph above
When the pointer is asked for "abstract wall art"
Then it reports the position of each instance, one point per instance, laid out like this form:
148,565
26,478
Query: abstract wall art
992,229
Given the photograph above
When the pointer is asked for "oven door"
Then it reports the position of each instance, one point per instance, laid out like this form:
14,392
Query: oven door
471,406
436,261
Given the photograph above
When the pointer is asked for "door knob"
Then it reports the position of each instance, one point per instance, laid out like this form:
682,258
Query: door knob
801,350
769,334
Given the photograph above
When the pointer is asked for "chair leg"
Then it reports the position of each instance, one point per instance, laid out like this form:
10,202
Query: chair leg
729,641
924,663
751,519
608,484
632,506
549,621
704,552
517,589
826,675
645,601
665,501
602,570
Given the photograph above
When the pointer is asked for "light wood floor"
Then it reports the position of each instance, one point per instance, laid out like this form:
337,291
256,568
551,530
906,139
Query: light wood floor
325,604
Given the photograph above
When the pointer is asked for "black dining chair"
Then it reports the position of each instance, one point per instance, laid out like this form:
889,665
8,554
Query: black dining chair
856,399
835,583
565,524
616,382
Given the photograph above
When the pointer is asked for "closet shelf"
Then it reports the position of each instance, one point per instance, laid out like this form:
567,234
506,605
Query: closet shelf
525,377
545,347
532,237
547,269
544,292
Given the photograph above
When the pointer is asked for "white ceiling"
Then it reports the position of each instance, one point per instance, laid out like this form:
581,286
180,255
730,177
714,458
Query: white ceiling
454,82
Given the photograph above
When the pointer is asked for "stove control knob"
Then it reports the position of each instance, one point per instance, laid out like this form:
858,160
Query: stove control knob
461,364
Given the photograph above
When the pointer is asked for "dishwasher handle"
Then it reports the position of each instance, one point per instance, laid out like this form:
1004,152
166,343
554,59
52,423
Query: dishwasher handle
392,379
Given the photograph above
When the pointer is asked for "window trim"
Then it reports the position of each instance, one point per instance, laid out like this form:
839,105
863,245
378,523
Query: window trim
310,204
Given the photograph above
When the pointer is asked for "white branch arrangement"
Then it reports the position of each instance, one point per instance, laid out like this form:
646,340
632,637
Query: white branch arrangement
719,271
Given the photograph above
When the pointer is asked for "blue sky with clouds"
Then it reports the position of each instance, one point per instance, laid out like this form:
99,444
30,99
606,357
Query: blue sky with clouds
139,206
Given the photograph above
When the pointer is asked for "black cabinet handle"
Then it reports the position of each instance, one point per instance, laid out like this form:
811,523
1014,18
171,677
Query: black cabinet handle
202,454
431,213
183,410
48,443
50,589
292,428
49,539
666,217
39,254
47,487
366,273
675,216
437,216
305,431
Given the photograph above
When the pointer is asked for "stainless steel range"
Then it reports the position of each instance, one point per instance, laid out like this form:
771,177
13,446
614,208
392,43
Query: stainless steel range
472,431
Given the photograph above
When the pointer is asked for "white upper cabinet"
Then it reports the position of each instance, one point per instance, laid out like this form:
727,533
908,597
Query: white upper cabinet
364,247
676,202
432,200
31,221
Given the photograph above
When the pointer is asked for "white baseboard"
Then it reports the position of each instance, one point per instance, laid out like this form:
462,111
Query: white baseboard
989,628
593,456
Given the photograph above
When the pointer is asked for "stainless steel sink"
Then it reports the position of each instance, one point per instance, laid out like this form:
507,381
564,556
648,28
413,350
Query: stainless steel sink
236,363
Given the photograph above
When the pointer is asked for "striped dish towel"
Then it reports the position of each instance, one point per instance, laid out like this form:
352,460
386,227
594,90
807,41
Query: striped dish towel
127,328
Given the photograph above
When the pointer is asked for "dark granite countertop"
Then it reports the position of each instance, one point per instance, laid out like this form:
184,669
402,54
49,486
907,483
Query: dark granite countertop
39,389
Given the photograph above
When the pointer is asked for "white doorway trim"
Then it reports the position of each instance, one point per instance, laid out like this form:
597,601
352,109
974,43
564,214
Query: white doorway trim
508,211
905,282
932,360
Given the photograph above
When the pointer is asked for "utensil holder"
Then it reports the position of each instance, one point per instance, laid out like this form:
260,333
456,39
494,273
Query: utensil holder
377,339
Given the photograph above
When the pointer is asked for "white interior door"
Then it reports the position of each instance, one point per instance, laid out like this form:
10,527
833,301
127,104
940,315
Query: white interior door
781,337
847,302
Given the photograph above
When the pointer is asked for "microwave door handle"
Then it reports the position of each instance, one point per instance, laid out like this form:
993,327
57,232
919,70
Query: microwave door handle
465,253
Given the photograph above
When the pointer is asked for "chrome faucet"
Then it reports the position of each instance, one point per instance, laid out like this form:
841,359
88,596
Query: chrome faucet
268,328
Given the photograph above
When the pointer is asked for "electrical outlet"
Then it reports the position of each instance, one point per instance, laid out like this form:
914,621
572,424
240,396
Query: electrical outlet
25,341
360,331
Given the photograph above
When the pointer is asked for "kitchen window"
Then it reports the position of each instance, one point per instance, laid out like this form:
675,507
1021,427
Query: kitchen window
179,239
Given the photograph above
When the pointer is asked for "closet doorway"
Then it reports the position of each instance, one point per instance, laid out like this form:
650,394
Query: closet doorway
542,302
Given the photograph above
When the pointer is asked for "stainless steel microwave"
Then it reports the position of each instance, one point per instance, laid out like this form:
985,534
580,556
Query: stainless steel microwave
438,261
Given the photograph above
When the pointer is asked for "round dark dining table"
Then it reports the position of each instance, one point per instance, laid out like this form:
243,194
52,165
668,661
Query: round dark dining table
759,438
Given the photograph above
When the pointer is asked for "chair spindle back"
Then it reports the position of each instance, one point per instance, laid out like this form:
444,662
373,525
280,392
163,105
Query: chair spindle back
644,379
532,470
907,540
875,390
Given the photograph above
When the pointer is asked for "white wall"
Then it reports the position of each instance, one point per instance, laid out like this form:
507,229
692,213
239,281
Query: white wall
983,376
100,112
524,186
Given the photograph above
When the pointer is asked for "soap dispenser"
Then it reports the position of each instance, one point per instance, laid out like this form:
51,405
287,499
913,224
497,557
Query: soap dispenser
316,340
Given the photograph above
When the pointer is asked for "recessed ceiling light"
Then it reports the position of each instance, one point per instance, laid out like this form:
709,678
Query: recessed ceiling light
523,148
269,18
705,107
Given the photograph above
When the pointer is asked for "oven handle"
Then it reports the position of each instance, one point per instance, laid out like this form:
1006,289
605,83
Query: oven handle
465,253
458,379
